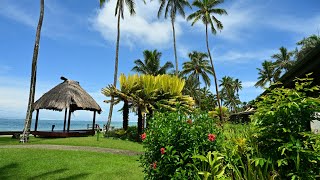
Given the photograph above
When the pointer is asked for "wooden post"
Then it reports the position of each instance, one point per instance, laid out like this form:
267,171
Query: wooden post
37,118
65,119
69,120
94,120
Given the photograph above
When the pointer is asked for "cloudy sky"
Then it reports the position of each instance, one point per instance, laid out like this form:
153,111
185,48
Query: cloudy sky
78,42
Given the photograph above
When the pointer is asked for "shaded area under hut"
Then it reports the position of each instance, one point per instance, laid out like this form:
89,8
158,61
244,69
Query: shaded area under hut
68,96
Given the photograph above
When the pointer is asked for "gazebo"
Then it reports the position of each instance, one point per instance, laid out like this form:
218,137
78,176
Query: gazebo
67,96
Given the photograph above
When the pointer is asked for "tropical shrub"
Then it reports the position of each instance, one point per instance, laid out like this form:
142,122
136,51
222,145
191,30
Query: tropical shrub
129,134
283,130
171,141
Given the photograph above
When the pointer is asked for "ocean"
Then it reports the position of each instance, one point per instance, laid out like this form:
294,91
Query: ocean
18,124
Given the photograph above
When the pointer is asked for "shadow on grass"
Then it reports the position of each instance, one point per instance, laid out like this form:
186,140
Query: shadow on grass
76,176
58,171
6,170
40,176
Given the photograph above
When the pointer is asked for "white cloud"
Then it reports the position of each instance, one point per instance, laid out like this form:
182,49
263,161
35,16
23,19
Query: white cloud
248,84
17,13
144,28
244,57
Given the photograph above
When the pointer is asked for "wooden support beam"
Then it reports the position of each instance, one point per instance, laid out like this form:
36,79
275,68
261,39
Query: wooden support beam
65,119
69,118
94,120
37,118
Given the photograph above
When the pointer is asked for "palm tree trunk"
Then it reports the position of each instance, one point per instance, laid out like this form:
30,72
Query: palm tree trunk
115,75
174,46
139,122
27,124
125,111
214,74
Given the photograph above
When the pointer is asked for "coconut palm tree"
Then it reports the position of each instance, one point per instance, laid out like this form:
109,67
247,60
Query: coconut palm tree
27,124
172,7
230,92
267,75
283,60
118,12
307,44
151,64
205,12
198,66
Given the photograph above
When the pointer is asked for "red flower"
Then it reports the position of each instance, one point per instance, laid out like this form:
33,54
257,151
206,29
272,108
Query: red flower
163,150
211,137
154,165
189,121
143,136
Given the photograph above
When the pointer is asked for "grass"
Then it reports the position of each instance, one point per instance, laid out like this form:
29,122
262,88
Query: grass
79,141
59,164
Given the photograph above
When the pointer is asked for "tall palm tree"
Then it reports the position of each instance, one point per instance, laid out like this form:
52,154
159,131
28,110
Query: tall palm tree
283,60
267,75
172,7
198,66
237,85
151,64
205,12
27,124
118,12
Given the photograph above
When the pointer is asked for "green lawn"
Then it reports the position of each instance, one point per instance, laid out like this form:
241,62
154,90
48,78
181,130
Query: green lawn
79,141
60,164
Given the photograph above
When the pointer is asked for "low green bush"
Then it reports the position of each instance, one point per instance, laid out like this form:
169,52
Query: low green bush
129,134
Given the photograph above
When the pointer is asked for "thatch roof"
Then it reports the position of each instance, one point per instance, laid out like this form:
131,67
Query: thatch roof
67,94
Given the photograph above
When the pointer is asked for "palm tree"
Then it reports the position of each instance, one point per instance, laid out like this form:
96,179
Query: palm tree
267,75
230,92
307,44
118,11
206,9
27,124
198,66
151,64
283,60
172,7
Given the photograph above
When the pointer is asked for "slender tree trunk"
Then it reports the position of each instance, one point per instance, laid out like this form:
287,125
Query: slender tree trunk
125,111
139,122
115,71
27,124
214,73
174,46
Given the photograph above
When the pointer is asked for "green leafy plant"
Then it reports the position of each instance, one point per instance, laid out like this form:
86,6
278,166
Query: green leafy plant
171,141
212,165
283,123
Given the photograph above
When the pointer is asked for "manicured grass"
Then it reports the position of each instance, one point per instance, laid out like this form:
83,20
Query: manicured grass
79,141
59,164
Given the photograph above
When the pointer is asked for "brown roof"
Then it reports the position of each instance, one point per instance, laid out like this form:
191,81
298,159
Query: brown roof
68,94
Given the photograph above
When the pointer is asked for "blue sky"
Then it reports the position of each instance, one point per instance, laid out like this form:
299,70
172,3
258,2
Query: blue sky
78,42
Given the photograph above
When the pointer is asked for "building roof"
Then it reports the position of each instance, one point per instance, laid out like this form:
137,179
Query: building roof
68,94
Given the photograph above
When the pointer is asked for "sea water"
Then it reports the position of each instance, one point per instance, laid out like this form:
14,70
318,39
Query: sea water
18,124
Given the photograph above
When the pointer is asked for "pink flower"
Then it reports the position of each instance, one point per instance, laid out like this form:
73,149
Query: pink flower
154,165
143,136
211,137
163,150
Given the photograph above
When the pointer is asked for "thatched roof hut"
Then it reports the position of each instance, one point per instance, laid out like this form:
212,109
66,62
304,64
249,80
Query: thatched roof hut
68,95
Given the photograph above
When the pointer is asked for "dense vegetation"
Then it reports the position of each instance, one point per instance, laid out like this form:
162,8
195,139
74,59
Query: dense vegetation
277,144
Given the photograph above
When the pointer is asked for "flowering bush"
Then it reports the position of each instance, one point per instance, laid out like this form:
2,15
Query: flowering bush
171,141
